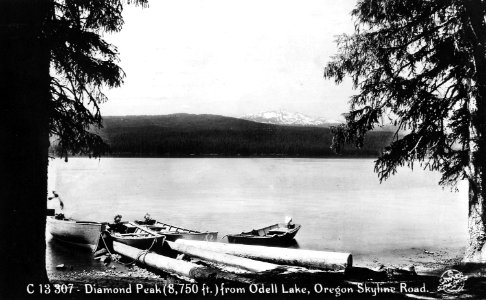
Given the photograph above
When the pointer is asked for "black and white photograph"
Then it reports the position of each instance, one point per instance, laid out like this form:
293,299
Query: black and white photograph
243,149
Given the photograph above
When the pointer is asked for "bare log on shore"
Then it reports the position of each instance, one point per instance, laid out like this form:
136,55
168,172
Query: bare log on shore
175,266
299,257
223,258
157,261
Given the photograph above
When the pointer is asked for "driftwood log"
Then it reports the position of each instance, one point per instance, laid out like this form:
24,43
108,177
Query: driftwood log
285,256
175,266
223,258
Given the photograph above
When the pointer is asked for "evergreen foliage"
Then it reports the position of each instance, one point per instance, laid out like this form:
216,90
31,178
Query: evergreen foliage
413,61
82,65
53,65
421,64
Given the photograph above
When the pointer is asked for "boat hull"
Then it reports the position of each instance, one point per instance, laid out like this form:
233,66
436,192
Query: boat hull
140,242
78,233
274,235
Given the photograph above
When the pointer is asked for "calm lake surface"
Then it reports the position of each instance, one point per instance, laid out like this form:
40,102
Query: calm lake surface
339,202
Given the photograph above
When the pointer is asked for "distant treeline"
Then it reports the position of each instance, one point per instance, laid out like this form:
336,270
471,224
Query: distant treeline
210,135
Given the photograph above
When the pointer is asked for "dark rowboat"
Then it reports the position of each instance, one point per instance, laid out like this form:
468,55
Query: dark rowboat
81,233
140,240
129,234
173,233
273,235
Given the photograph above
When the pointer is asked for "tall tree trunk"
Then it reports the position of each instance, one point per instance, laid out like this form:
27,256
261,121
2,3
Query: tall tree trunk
24,124
476,248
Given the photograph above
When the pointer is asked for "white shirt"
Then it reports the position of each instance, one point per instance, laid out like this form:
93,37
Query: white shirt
55,203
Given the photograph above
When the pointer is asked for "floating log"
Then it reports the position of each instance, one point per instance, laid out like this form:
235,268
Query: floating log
299,257
223,258
217,257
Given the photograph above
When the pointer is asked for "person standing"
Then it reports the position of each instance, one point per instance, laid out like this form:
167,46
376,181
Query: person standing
56,203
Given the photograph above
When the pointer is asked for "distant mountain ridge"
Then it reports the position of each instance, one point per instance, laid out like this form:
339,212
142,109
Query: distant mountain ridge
186,135
288,118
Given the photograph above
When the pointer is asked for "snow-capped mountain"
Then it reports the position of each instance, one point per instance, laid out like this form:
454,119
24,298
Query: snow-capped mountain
288,118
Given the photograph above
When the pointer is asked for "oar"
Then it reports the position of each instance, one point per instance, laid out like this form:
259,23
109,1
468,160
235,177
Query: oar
146,229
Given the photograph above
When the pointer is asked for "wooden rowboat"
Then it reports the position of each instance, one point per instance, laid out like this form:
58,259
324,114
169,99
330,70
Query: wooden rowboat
140,240
80,233
130,234
273,235
173,233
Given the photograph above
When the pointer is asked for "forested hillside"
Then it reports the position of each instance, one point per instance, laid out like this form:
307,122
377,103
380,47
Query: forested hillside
211,135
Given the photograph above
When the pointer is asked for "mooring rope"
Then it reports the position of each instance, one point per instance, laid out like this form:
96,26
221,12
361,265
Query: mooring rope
144,252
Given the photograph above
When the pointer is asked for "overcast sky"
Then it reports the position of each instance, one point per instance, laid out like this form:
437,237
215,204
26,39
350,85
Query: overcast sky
230,57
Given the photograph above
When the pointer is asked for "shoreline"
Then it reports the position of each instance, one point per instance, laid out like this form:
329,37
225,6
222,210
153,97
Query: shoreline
429,266
427,261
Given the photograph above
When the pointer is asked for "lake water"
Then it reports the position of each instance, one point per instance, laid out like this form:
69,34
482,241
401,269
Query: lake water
339,202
